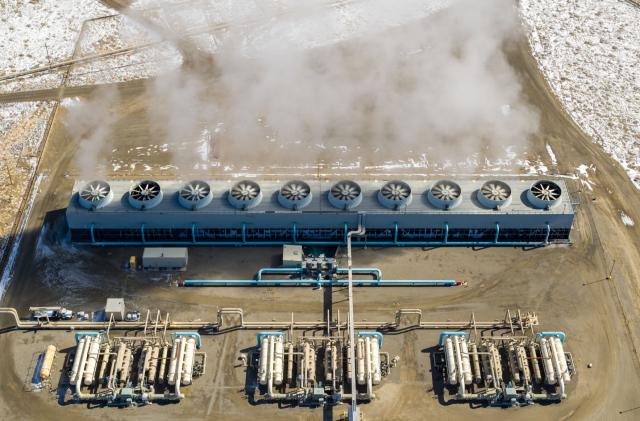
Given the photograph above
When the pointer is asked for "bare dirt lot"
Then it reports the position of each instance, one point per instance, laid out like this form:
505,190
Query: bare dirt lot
600,318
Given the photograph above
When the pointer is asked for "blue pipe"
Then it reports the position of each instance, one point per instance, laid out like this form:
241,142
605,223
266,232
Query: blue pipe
142,233
261,335
195,335
560,335
294,233
445,334
377,273
277,270
372,333
193,233
93,237
446,232
395,233
318,282
497,233
79,335
325,243
546,239
244,233
346,232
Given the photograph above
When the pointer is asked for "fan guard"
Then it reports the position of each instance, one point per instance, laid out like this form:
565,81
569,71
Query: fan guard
145,195
395,194
445,194
95,195
345,194
245,194
544,194
494,194
295,194
195,195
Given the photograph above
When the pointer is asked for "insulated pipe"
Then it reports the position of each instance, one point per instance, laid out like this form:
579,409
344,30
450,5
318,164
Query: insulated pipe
464,350
375,272
92,361
459,367
153,365
187,365
361,364
278,361
173,362
368,363
290,363
360,231
263,271
179,368
105,361
537,376
449,354
477,374
375,360
270,341
77,358
163,364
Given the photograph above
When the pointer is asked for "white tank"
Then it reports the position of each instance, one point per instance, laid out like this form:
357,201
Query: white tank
375,361
466,362
450,359
187,362
562,358
173,362
278,361
75,368
47,362
92,361
360,372
547,362
264,360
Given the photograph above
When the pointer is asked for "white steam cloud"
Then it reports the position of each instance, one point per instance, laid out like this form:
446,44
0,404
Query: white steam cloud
435,88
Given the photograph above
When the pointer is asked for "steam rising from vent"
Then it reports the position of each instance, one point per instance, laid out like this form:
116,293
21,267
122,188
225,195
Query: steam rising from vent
278,89
90,123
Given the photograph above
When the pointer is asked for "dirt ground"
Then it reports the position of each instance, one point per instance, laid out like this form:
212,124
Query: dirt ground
566,285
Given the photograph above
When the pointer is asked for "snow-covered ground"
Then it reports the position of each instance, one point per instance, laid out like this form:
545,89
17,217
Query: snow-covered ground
39,33
22,127
589,51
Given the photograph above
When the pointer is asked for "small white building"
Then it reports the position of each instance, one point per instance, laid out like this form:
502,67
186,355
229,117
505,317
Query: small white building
291,256
115,307
165,258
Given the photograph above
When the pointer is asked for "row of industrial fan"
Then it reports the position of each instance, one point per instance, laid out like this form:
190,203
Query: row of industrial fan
345,194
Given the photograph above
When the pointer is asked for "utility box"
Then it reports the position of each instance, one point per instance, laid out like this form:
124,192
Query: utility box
115,308
165,258
291,256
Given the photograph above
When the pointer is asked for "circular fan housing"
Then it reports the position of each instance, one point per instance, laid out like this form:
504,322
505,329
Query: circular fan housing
395,194
95,195
544,194
445,194
295,195
145,195
494,194
195,195
345,194
245,194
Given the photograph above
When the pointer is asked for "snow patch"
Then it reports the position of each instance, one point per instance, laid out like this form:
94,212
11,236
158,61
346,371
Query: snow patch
626,219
